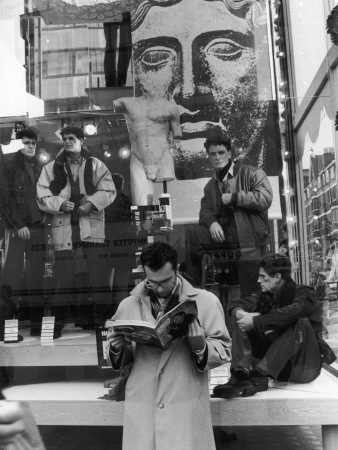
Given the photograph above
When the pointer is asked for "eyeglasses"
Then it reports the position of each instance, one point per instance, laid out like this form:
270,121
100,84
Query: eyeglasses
69,138
29,142
214,154
162,284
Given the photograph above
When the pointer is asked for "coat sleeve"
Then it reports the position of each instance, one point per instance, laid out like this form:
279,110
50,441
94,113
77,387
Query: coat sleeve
125,310
125,357
207,211
248,304
16,218
218,342
105,191
16,212
303,305
48,202
259,195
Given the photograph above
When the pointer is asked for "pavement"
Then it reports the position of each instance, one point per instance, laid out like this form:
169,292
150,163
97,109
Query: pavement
248,438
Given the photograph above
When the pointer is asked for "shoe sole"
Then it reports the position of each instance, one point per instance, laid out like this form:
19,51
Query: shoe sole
239,391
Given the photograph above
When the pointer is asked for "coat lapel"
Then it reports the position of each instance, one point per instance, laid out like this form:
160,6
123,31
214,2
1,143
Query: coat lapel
186,291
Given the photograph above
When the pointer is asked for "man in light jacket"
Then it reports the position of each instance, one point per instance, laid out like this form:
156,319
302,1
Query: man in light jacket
167,396
74,190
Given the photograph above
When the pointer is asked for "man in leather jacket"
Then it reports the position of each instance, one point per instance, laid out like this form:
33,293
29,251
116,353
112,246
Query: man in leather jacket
24,234
233,216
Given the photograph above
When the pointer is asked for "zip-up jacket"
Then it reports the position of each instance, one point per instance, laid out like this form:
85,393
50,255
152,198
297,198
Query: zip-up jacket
251,198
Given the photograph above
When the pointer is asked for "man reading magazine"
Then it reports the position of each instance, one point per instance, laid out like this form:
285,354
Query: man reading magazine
167,396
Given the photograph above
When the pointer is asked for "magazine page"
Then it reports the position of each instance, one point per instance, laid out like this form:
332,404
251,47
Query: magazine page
174,324
136,330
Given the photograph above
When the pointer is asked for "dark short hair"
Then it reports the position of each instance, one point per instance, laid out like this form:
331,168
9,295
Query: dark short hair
27,133
156,255
118,180
78,132
276,263
217,140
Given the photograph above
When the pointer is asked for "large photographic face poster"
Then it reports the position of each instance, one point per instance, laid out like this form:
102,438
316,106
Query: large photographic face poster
210,57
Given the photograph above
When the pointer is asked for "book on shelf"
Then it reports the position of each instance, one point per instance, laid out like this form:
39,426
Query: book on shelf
174,324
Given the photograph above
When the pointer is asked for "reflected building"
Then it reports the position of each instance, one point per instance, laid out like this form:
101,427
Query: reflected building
321,207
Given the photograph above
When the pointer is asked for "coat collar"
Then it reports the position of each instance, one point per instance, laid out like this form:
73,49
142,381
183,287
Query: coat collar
61,157
233,170
19,159
285,292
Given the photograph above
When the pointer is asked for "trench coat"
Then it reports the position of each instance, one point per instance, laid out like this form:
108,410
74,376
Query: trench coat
91,225
167,405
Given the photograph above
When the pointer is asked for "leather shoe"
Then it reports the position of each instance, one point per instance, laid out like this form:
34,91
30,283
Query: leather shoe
241,373
241,388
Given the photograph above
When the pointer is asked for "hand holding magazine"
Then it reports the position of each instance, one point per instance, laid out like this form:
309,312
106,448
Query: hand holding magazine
172,325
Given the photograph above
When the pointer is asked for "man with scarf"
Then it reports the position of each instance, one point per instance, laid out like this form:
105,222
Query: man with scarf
24,233
233,217
277,334
74,190
167,402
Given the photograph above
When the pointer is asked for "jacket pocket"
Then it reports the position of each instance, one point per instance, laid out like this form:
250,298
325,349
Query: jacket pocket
260,226
56,220
96,225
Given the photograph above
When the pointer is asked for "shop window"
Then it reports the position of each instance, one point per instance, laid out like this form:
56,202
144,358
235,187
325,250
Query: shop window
72,62
242,102
332,173
97,58
31,33
81,61
58,63
327,177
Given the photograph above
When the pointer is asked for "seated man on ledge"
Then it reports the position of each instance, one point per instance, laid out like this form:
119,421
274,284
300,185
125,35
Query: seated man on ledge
276,335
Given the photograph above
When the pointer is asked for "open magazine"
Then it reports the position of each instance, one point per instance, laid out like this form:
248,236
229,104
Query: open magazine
172,325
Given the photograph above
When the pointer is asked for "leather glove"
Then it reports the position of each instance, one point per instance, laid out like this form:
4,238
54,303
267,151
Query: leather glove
196,336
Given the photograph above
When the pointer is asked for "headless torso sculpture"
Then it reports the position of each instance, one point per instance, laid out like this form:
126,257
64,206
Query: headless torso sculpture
149,119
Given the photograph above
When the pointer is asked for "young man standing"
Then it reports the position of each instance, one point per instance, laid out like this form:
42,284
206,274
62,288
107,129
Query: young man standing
74,190
167,396
24,234
233,216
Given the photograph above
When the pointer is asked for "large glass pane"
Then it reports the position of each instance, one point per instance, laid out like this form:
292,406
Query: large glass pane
316,150
107,110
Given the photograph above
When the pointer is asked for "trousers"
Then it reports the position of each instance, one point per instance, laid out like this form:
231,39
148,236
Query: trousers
29,254
291,354
244,271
